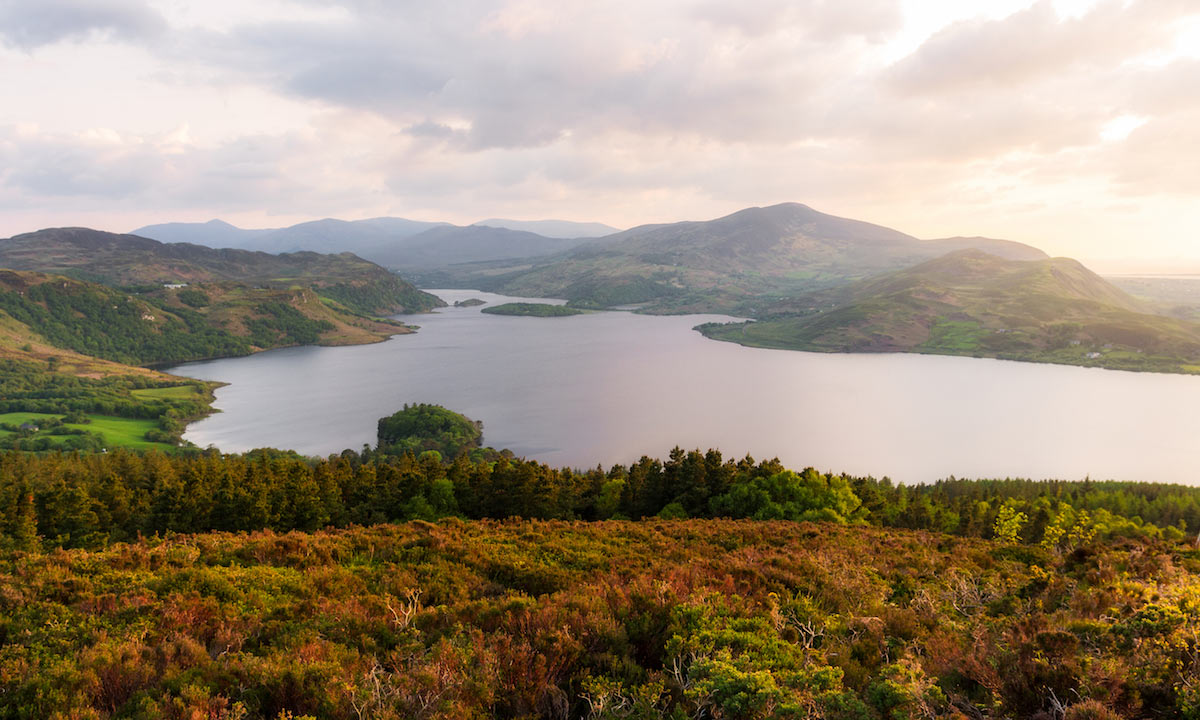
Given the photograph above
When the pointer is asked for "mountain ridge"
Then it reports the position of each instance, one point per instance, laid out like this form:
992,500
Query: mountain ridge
116,259
397,243
552,228
969,302
730,263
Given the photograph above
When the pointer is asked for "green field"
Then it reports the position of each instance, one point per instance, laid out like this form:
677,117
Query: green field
116,431
953,336
175,392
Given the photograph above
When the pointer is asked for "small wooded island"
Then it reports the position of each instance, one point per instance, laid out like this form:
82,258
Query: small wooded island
532,310
470,302
425,428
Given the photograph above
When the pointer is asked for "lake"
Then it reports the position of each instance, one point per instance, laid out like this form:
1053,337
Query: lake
605,388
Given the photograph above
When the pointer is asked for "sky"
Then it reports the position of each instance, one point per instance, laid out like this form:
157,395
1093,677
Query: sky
1072,125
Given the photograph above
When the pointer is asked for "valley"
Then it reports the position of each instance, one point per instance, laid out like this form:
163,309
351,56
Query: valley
85,306
817,282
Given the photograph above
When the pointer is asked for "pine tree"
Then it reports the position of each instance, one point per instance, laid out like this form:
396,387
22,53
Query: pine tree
24,527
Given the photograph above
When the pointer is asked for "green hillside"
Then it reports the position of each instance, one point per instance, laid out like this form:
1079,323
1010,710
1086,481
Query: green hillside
129,260
170,325
973,303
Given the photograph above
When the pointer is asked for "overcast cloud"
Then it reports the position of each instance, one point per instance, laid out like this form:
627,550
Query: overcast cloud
28,25
1070,125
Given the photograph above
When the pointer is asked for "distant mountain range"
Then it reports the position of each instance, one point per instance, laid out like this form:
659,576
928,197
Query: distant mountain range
395,242
721,264
731,263
811,280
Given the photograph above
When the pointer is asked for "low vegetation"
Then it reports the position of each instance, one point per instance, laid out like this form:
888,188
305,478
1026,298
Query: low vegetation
555,619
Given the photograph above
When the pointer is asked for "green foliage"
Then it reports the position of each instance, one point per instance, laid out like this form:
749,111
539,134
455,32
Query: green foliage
1007,528
378,294
278,323
532,309
420,428
789,496
193,297
105,323
196,492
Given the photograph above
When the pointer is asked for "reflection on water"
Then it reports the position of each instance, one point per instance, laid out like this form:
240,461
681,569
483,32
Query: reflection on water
604,388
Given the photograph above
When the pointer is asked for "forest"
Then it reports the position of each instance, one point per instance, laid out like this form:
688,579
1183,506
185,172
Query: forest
90,501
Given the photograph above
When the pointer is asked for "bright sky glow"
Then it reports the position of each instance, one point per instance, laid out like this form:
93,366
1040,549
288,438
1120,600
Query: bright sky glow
1069,124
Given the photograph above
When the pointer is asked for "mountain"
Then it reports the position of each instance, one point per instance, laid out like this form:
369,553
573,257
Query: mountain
394,242
324,236
553,228
730,262
214,233
362,237
1000,248
450,245
131,260
969,302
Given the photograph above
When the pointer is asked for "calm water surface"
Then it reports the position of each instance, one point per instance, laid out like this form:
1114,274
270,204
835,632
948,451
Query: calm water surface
604,388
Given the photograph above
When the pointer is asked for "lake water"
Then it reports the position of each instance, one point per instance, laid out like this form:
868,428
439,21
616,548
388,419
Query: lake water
609,387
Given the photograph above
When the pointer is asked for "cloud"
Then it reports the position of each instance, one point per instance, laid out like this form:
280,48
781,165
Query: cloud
1032,44
29,25
1159,157
619,111
520,76
124,172
815,19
